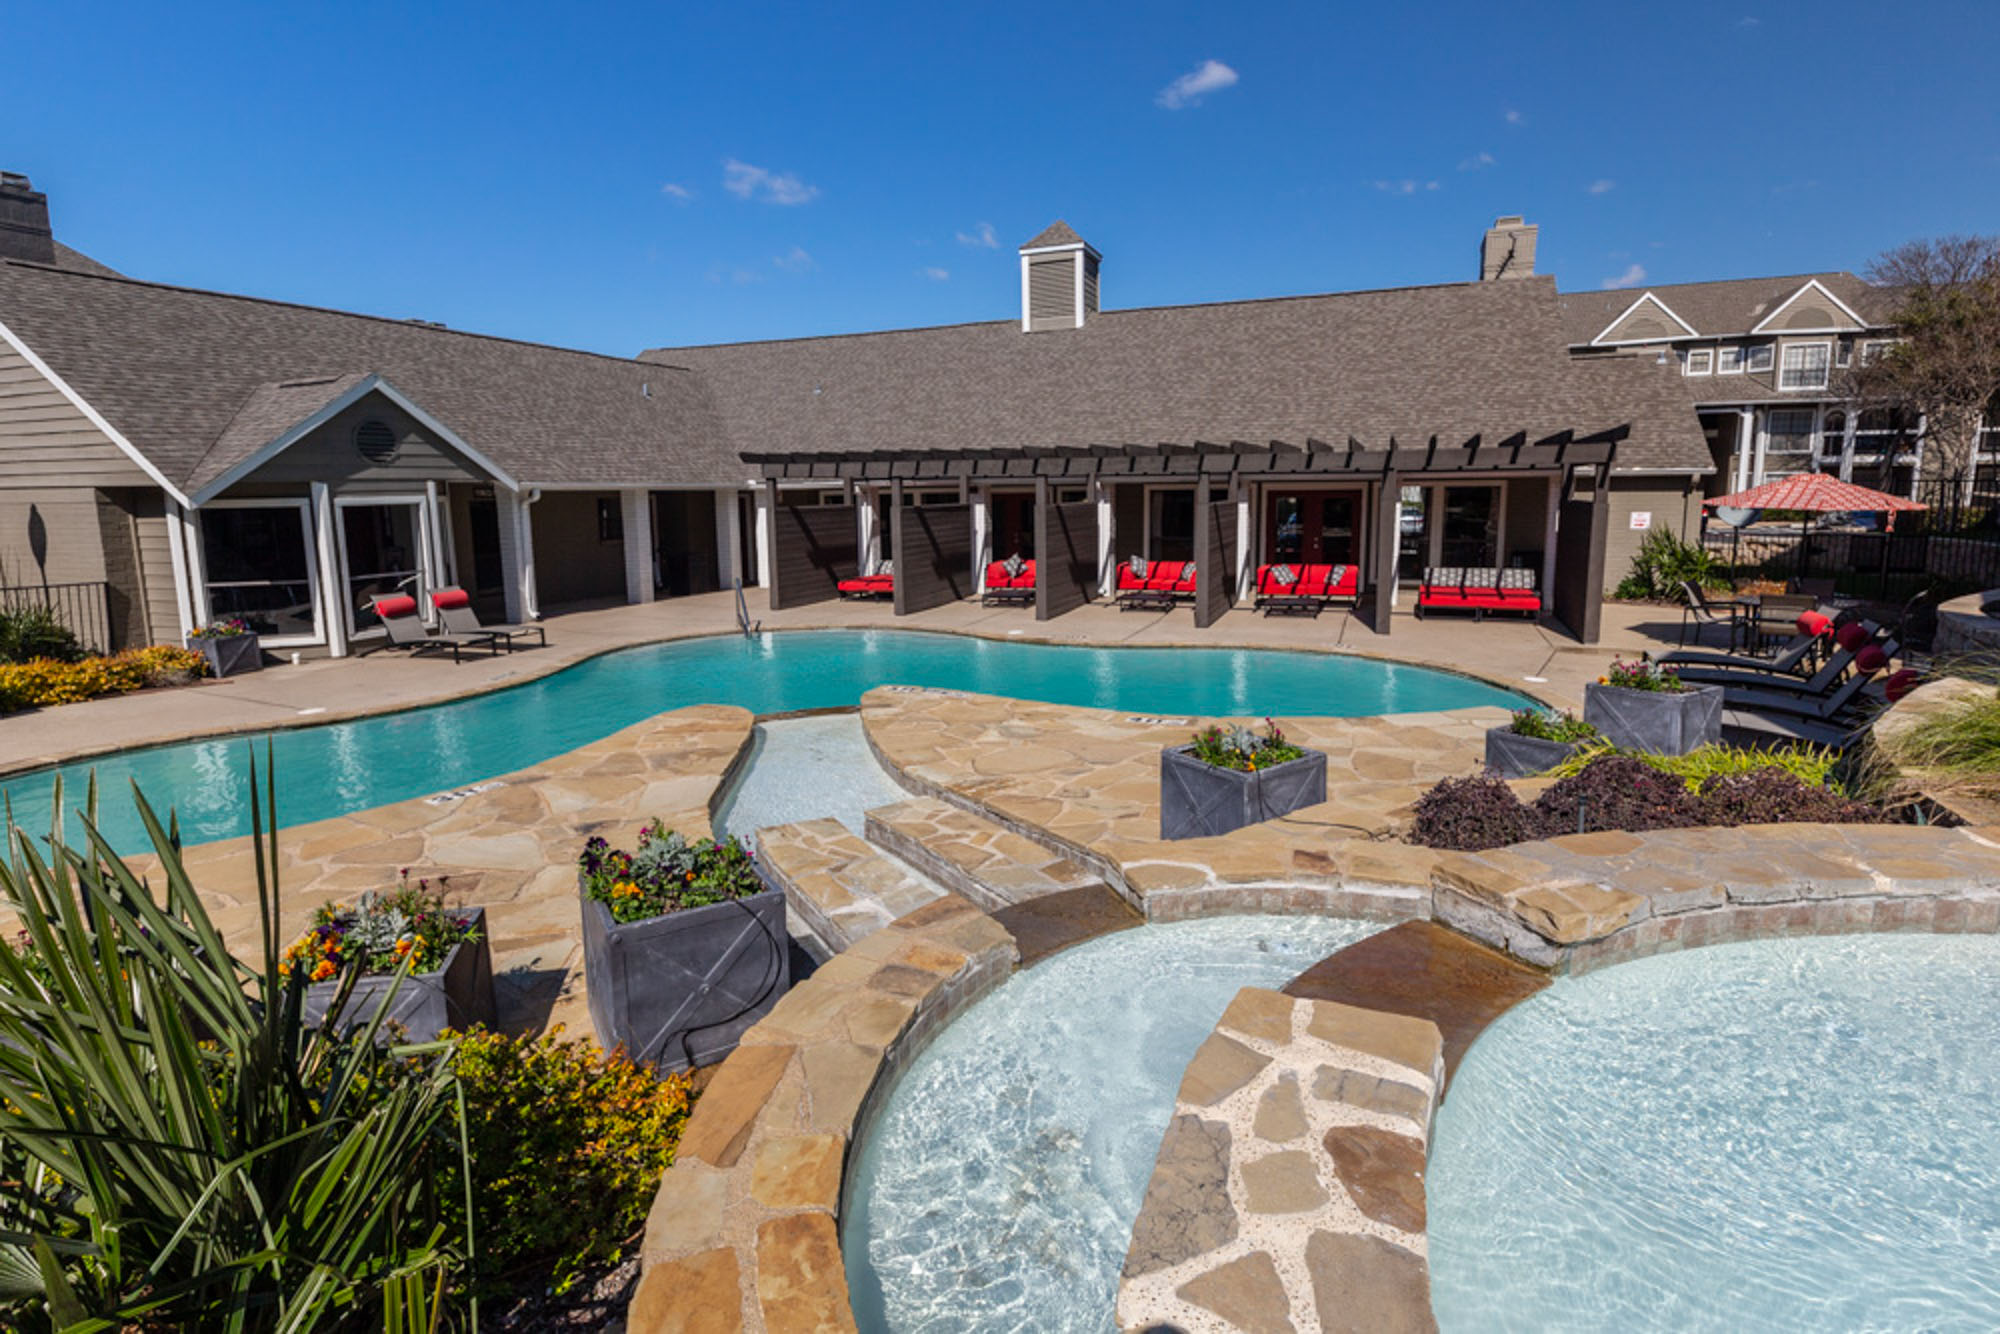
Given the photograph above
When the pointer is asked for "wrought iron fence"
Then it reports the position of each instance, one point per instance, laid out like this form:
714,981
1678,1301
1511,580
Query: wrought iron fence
85,608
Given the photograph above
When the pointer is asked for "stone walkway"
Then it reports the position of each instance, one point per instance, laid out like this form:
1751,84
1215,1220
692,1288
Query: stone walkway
509,844
1289,1190
991,865
841,889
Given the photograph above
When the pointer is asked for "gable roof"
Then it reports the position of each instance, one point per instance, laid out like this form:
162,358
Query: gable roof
190,377
1720,309
1410,363
1640,321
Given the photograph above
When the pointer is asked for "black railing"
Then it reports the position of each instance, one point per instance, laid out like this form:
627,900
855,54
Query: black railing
84,608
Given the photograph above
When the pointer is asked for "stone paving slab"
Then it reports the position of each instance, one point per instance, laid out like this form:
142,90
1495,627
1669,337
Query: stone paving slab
508,844
840,887
1288,1193
1054,922
971,855
1085,784
743,1235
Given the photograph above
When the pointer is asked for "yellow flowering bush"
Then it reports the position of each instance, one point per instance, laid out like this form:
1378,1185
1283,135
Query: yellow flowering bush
44,682
567,1147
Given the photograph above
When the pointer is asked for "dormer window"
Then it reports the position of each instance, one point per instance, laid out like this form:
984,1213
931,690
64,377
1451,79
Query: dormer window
1700,360
1729,359
1757,359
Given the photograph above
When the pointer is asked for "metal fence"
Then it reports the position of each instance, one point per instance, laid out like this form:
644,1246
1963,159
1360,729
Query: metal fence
85,608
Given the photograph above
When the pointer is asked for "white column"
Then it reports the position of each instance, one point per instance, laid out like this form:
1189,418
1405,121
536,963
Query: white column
332,603
1849,421
728,538
1106,562
763,535
864,500
517,553
186,595
635,505
982,537
1549,541
440,534
1746,444
1246,562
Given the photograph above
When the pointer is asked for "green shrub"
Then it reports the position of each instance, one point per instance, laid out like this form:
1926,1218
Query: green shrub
1242,749
1664,562
180,1150
567,1150
1811,765
1549,725
1956,748
36,632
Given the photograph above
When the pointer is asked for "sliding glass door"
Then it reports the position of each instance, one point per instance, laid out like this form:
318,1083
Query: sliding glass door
258,567
382,554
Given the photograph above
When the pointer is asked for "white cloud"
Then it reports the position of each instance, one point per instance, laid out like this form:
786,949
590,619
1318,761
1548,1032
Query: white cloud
771,187
1748,21
795,260
1210,76
680,194
1405,187
983,235
1514,117
1476,162
936,274
1632,277
1601,186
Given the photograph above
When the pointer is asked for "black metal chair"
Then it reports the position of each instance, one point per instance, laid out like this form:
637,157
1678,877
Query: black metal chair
1697,611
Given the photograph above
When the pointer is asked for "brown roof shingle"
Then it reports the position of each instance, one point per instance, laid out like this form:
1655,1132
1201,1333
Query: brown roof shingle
1733,306
188,375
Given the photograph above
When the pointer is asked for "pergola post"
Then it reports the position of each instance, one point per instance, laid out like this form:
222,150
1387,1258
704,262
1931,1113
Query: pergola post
1388,544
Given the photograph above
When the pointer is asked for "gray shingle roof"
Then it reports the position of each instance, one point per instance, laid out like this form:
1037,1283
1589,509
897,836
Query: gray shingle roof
1411,363
183,374
67,257
1733,306
1056,233
270,411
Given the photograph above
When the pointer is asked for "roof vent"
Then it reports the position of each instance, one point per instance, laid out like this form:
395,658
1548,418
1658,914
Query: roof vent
375,440
24,221
1508,250
1058,280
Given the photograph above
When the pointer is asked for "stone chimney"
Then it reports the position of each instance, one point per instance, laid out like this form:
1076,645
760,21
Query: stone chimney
1508,250
24,221
1058,280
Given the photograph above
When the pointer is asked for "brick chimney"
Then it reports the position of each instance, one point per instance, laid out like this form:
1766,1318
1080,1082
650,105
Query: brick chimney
24,221
1508,250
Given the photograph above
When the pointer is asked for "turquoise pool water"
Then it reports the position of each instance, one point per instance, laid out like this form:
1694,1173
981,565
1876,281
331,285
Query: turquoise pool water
997,1188
1778,1135
330,770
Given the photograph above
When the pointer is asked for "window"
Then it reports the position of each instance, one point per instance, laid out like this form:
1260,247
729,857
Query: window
610,520
1757,359
1072,495
1805,367
1872,350
1471,524
1843,352
1788,442
257,567
1700,360
1729,360
1172,515
1884,446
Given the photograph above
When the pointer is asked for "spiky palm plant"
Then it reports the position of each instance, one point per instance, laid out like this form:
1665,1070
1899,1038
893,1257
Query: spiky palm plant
179,1149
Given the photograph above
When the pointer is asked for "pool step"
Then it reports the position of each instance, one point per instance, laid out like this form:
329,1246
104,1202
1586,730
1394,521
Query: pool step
840,888
971,855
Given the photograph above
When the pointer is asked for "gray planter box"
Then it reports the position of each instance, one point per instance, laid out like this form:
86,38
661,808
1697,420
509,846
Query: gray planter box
679,990
1198,800
1657,721
1511,755
457,995
231,655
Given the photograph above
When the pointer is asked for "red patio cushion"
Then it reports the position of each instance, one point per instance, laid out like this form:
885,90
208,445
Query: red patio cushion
1814,623
1164,575
1852,636
1871,659
400,605
449,598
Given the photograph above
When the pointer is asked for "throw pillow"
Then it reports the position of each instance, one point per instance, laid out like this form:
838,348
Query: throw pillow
1137,565
887,567
1014,565
1335,575
1284,576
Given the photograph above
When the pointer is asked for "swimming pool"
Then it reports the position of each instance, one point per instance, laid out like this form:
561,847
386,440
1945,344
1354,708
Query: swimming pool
348,766
1777,1135
997,1188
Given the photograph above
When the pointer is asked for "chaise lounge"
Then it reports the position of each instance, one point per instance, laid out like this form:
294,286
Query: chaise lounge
406,630
1452,588
455,614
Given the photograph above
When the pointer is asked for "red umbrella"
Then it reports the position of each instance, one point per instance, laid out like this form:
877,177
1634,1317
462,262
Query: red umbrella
1816,493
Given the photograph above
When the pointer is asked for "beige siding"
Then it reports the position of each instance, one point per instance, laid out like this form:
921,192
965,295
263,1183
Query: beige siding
329,455
1052,292
156,567
1674,503
1648,320
1089,286
45,439
1812,311
50,535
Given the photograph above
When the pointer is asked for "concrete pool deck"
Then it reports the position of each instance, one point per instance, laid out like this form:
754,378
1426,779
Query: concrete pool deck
1514,654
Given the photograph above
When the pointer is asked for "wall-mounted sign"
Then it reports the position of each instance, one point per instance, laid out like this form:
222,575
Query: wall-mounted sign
1641,520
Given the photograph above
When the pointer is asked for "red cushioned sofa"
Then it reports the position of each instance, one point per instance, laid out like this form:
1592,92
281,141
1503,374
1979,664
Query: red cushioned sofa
1452,588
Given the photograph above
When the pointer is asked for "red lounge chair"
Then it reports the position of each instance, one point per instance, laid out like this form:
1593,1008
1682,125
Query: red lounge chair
1478,591
455,613
1005,588
405,629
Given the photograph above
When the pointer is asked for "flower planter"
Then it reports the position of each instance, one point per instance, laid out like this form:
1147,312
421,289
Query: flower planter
229,655
679,990
1659,721
456,995
1198,800
1511,755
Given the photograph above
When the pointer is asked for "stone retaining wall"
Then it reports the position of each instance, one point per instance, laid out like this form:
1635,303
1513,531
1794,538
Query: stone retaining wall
743,1234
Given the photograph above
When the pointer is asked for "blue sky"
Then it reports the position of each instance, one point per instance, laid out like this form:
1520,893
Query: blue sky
619,178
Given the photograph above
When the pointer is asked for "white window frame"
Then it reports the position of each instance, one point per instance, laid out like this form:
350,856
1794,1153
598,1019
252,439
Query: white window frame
1723,356
304,506
426,544
1825,348
1699,361
1808,457
1873,348
1759,357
